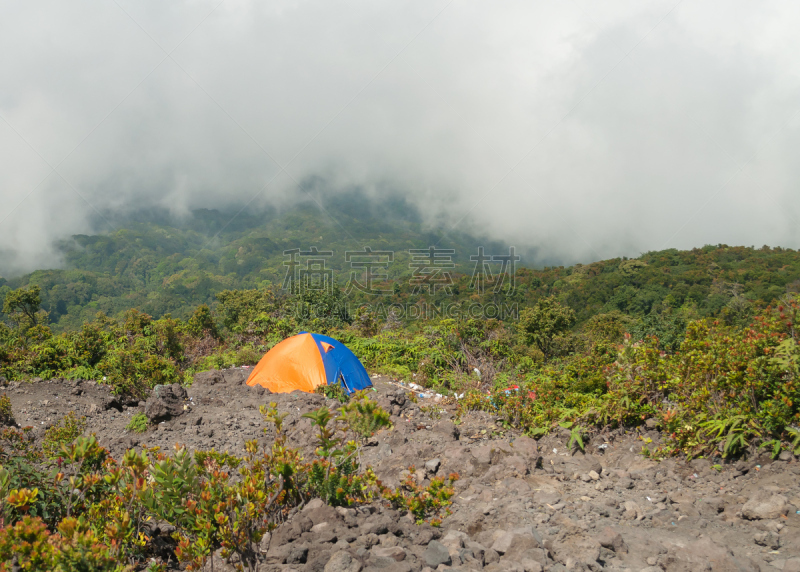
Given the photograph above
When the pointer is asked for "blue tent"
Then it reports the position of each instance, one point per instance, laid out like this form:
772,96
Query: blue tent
341,365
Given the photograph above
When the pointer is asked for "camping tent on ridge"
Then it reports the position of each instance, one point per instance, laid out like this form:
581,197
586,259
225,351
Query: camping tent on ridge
306,361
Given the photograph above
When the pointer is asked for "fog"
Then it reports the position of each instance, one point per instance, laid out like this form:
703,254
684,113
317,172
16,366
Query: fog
578,130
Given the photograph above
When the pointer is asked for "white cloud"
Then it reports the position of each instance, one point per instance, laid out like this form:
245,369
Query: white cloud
532,112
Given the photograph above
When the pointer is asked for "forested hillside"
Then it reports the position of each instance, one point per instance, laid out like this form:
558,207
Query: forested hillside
161,266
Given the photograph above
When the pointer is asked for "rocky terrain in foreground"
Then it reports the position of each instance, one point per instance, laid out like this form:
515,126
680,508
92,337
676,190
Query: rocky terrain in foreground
520,504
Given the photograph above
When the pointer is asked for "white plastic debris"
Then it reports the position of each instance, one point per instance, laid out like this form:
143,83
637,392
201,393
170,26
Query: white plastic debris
477,371
603,446
555,451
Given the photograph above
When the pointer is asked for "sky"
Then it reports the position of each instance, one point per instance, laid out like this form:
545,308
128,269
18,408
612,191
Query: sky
579,130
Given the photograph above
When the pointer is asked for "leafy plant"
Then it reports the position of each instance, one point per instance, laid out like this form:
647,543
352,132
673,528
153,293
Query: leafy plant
363,416
425,503
794,433
138,423
64,432
6,413
576,435
335,391
732,433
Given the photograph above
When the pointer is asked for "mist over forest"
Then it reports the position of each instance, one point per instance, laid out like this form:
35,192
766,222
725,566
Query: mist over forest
577,132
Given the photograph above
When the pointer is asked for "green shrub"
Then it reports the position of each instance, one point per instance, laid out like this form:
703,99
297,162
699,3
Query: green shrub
429,502
64,432
138,423
6,414
335,391
363,416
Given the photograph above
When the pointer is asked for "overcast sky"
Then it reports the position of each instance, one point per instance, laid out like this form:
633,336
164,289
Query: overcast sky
585,129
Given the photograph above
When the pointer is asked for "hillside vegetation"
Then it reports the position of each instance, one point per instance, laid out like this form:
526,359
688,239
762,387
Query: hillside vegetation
702,341
701,344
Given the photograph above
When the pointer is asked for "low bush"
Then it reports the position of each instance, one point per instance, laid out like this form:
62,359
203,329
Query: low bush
64,432
427,504
138,423
73,507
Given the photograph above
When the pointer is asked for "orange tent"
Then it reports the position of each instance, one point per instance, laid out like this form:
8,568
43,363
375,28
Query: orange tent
306,361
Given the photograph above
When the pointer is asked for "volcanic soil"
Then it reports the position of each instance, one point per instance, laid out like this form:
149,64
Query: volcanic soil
520,504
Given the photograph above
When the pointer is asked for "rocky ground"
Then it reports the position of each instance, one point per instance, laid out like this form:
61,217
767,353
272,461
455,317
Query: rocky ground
521,504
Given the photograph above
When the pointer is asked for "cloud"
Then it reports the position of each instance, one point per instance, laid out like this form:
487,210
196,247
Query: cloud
579,130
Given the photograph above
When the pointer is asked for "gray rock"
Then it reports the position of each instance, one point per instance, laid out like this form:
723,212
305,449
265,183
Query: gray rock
762,507
525,446
503,542
265,540
342,562
210,377
612,540
217,563
297,555
432,466
792,565
769,539
531,565
625,483
435,554
705,554
447,429
165,403
491,556
455,539
395,553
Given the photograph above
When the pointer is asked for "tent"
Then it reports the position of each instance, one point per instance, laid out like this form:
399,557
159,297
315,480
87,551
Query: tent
306,361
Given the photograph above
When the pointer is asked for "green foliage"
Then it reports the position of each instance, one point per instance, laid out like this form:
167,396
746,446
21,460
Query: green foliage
98,507
138,423
22,306
6,414
610,327
541,324
669,329
64,432
202,323
576,435
425,503
335,391
363,416
794,435
334,477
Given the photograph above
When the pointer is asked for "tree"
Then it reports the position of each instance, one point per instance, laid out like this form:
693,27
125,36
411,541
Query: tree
23,307
541,324
609,327
202,323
